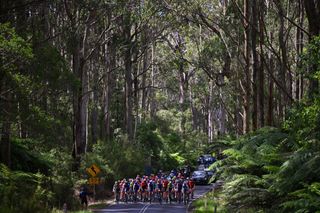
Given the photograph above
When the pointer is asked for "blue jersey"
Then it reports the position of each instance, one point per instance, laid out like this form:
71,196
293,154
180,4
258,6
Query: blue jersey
150,186
136,186
127,186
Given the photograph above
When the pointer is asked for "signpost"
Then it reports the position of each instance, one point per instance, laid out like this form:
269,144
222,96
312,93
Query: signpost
94,181
94,170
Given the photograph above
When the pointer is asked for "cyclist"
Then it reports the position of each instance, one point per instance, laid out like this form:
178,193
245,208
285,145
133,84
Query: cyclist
83,198
143,189
150,190
130,193
192,187
126,190
136,187
165,184
122,190
178,189
116,190
185,191
171,190
159,190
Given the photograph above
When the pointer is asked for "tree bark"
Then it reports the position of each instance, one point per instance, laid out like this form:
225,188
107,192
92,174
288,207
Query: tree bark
152,101
299,47
95,103
193,109
312,8
128,80
145,65
271,85
5,143
261,67
283,99
247,95
110,58
210,114
182,91
80,99
255,64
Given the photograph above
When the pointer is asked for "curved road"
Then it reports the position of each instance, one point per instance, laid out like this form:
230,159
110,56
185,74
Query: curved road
153,207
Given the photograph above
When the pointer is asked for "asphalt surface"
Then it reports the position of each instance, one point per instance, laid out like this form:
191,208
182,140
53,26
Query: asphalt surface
153,207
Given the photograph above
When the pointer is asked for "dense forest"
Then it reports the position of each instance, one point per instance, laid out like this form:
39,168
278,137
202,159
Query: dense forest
138,86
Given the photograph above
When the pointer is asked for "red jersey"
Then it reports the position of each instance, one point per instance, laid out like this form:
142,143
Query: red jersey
191,184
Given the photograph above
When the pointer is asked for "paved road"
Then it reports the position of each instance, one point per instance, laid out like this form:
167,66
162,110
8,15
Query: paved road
154,207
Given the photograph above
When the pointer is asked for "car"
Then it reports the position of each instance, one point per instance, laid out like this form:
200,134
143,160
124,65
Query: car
200,177
186,171
201,167
210,173
206,160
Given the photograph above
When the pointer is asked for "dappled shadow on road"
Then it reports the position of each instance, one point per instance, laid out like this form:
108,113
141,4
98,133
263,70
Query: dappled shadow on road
141,207
144,208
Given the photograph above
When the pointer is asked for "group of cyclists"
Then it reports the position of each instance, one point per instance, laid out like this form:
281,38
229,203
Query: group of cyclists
154,188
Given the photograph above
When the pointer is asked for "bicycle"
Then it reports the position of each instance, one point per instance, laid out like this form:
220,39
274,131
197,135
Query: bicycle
158,196
171,196
151,196
135,196
117,197
186,197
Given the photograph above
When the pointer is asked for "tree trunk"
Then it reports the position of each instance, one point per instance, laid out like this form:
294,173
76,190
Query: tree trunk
110,58
80,99
5,144
95,103
84,108
136,93
182,97
238,118
128,81
312,8
222,115
152,102
271,85
246,102
261,68
210,113
299,47
193,110
255,64
6,13
313,14
143,83
283,99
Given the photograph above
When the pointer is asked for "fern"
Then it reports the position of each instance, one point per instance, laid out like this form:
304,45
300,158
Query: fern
302,167
304,200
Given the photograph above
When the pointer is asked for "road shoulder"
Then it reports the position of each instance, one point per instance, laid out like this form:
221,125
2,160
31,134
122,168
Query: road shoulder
215,185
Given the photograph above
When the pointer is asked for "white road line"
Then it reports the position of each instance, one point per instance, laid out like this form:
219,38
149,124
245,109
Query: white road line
144,209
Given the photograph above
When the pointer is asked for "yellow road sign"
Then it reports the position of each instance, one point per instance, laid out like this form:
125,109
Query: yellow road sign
94,181
93,170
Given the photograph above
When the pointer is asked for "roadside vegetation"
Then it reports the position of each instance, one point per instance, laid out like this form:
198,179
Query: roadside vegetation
272,169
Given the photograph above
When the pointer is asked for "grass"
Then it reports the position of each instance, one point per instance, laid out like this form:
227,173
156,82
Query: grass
211,202
98,206
204,205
